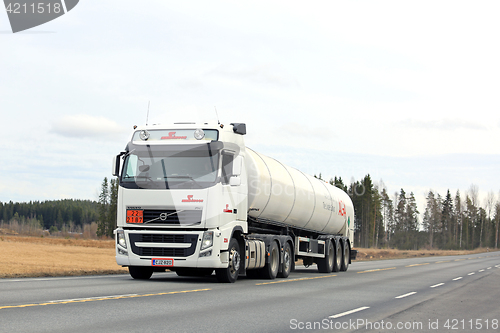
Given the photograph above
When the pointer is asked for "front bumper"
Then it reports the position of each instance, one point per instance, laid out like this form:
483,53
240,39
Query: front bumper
184,247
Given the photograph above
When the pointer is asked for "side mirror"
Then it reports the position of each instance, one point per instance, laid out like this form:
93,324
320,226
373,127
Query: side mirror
115,170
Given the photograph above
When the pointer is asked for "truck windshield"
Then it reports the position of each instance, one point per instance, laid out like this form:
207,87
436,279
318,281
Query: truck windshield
173,167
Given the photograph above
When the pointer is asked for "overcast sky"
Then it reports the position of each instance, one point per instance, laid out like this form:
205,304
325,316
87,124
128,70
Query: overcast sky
407,91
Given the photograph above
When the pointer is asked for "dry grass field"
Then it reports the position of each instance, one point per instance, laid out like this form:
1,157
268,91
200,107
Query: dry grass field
24,256
378,254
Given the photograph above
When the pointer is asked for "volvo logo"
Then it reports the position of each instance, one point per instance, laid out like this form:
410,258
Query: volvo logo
163,216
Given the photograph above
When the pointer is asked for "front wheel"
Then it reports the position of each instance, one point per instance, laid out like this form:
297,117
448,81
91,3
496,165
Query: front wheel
140,272
230,274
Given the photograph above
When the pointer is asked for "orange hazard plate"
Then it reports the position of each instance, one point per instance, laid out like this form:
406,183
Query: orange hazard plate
135,216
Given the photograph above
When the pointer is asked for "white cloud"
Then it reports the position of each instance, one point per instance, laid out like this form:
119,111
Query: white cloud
262,73
385,78
86,126
443,124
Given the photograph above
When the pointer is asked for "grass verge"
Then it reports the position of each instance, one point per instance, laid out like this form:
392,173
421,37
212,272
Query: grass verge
43,257
378,254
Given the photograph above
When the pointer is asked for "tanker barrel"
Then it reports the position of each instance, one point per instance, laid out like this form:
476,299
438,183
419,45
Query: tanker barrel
286,195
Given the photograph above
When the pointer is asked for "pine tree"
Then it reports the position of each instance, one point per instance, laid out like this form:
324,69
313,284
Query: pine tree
431,217
388,215
103,209
113,203
497,222
447,221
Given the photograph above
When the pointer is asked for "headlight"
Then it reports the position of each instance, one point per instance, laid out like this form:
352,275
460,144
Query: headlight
120,238
207,240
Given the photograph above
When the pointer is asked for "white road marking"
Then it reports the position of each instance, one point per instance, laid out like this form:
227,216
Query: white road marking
458,278
406,295
471,273
82,277
437,285
349,312
481,270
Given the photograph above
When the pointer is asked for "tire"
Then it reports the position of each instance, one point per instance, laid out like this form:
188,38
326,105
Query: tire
325,265
270,270
140,272
230,274
286,265
337,262
346,253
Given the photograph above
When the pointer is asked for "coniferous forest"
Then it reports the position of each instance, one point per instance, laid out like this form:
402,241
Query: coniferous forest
449,221
382,220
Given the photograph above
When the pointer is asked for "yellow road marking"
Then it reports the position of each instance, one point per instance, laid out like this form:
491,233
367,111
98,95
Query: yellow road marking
440,262
100,299
376,270
459,259
425,263
293,280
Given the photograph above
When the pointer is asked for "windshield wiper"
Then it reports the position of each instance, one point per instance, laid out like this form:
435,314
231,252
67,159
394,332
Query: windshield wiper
183,176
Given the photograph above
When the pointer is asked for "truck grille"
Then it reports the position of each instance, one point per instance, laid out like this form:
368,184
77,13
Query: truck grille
172,217
192,240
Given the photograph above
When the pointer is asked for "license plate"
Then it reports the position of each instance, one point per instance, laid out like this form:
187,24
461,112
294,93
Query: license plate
134,216
162,262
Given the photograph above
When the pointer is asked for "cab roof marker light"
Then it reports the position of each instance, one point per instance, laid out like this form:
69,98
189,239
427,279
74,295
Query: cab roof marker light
144,135
199,134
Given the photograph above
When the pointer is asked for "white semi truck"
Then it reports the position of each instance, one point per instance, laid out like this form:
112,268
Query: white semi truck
193,199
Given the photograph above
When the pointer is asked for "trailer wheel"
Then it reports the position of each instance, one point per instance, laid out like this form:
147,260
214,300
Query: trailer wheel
230,274
338,256
270,270
287,261
346,252
140,272
325,265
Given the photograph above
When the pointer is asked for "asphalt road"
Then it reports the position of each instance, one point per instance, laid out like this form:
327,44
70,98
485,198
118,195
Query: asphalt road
439,294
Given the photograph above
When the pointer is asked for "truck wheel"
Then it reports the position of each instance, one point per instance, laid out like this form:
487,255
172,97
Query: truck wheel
325,265
338,256
346,253
230,274
287,261
270,270
140,272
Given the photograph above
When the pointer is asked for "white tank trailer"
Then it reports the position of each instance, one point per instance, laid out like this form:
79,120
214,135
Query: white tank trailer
193,199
